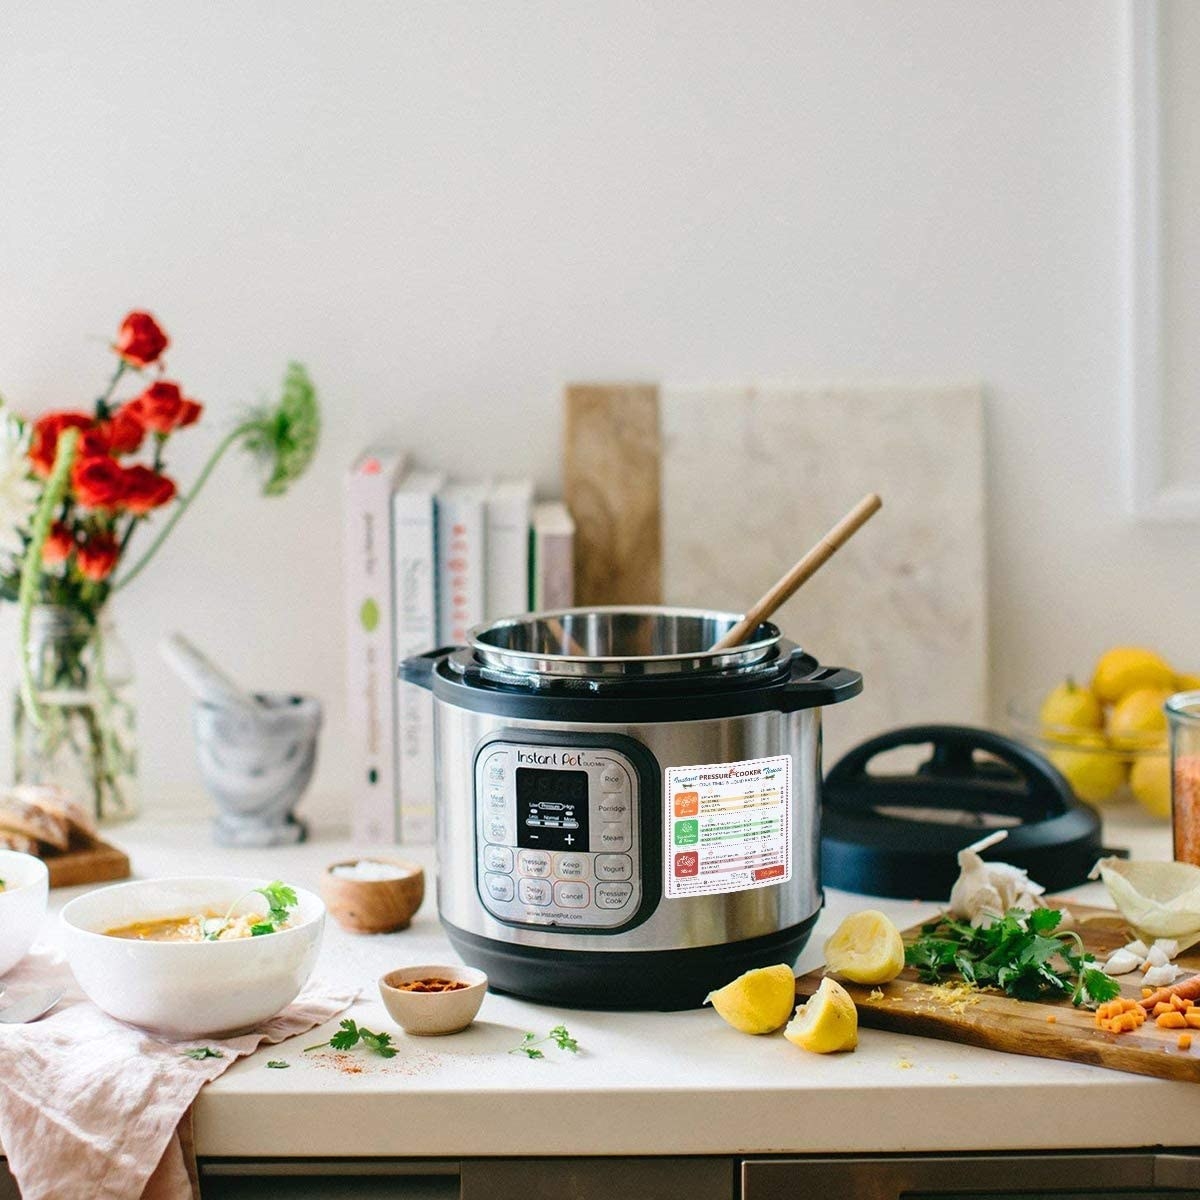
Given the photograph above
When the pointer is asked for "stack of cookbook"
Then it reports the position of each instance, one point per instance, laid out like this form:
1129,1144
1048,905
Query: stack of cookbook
426,559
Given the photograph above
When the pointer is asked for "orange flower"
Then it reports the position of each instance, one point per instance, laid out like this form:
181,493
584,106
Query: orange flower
98,556
58,545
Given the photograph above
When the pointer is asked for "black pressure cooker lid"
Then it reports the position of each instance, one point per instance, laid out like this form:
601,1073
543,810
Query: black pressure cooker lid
898,835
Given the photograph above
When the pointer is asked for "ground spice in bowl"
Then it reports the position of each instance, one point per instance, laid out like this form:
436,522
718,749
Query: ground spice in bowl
430,985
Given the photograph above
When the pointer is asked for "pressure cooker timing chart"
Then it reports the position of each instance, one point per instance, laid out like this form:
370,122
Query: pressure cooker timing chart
727,827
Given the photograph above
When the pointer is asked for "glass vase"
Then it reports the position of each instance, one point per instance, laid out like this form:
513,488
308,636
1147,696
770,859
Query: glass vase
83,738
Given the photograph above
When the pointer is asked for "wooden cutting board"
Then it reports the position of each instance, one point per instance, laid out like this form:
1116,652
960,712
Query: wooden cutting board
1021,1026
96,862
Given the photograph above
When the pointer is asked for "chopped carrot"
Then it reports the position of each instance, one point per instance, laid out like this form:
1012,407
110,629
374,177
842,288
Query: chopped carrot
1192,1017
1162,1007
1171,1020
1185,1041
1189,989
1050,1018
1127,1022
1180,1004
1147,992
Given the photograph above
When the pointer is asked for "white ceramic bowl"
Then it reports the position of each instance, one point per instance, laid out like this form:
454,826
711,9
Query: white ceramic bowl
22,904
188,989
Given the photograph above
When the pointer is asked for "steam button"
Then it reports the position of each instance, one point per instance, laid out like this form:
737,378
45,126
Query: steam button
613,895
614,866
534,863
499,887
614,835
498,858
533,891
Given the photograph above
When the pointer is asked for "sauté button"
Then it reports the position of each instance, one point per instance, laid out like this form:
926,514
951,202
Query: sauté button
614,836
533,891
498,858
571,866
613,895
499,887
614,866
534,863
572,895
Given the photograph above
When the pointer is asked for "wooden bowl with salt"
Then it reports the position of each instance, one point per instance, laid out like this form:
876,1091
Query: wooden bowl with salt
373,895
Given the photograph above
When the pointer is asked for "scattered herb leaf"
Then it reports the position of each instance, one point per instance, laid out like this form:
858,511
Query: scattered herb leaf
349,1035
277,1064
559,1035
201,1052
1017,953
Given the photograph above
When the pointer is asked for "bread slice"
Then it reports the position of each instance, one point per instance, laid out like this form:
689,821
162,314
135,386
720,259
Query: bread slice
18,842
20,816
58,803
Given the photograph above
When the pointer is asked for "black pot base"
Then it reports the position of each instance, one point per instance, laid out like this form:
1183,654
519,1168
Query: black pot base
637,980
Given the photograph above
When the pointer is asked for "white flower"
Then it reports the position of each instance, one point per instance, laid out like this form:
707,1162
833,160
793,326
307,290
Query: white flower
18,492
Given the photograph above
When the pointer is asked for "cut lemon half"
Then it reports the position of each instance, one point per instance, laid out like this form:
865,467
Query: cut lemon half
827,1023
866,948
760,1001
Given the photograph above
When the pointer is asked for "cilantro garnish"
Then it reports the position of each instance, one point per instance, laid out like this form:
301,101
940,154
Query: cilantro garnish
277,1064
349,1035
559,1035
1024,954
201,1052
280,898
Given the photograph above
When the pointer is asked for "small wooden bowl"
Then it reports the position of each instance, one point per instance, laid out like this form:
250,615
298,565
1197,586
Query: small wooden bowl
373,905
433,1014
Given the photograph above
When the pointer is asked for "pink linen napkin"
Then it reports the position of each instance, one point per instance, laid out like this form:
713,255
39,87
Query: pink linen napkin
90,1106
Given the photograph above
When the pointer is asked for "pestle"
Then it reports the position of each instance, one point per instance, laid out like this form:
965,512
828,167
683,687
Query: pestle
204,678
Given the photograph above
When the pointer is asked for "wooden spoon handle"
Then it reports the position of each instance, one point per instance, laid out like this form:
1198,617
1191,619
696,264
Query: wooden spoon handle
783,589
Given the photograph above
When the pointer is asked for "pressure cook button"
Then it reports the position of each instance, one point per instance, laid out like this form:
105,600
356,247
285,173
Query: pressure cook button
613,808
570,866
572,895
613,895
533,863
614,866
498,858
499,887
612,779
533,891
614,836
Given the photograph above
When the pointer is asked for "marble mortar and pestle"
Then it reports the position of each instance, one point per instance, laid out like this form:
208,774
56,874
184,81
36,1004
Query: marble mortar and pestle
256,751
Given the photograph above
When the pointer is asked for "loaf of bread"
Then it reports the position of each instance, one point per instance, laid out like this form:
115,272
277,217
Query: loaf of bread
17,841
33,821
57,803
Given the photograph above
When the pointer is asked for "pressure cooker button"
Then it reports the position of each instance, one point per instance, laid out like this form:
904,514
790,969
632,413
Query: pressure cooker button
497,800
614,866
572,895
499,887
570,866
494,769
613,808
535,863
498,858
612,779
613,895
533,891
614,836
497,831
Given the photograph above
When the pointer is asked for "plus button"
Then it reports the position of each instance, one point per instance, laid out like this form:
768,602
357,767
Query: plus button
569,840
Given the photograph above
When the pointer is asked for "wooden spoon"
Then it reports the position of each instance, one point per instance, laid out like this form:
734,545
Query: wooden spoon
783,589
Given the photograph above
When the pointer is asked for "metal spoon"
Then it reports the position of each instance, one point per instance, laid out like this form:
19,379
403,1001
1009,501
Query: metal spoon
30,1006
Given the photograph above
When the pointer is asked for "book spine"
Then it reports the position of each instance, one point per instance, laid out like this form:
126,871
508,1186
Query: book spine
507,576
461,566
370,698
414,524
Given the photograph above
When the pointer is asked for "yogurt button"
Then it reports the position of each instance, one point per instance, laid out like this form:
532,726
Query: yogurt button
614,866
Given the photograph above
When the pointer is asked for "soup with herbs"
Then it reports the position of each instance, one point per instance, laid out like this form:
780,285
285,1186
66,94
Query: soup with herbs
214,926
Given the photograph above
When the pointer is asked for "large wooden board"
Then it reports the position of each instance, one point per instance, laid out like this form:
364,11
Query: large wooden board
95,863
611,486
1021,1027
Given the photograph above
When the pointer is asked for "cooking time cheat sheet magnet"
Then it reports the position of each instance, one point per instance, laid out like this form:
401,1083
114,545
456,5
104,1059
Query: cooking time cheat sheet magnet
727,826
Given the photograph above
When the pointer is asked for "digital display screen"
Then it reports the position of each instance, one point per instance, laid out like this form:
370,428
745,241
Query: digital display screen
552,809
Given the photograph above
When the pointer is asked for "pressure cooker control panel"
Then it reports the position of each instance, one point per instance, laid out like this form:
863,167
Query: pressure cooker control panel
557,835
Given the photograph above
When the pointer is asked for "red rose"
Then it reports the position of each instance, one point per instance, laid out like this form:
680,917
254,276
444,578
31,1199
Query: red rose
163,407
122,432
58,545
140,340
146,489
43,445
99,482
98,556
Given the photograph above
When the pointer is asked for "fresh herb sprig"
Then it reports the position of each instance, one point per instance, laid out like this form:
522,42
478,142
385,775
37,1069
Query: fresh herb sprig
280,900
199,1053
350,1035
1016,953
277,1064
559,1035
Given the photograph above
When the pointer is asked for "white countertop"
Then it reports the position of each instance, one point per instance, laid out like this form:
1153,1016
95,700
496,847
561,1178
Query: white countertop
645,1083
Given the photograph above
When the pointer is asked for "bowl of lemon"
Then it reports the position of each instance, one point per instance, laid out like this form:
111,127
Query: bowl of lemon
1108,734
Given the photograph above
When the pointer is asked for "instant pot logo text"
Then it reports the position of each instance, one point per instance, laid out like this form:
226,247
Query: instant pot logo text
552,758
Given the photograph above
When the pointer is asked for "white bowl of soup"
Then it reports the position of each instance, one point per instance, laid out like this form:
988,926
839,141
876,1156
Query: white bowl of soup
143,953
24,891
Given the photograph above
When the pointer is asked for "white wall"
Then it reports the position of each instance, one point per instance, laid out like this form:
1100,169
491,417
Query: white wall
446,210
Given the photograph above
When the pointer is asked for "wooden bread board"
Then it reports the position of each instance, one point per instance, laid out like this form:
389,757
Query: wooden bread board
93,862
998,1022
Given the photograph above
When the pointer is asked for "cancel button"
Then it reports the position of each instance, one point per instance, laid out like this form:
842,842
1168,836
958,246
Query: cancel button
614,866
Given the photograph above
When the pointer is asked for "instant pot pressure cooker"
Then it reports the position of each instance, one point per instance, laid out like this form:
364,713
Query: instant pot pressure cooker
626,819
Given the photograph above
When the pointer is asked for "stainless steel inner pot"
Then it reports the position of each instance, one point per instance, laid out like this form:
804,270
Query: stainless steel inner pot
620,643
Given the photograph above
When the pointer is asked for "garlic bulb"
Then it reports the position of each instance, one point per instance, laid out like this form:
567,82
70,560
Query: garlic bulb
985,891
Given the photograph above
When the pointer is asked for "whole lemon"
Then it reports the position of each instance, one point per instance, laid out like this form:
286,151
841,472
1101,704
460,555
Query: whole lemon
1150,782
1096,773
1138,721
1124,669
1068,707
